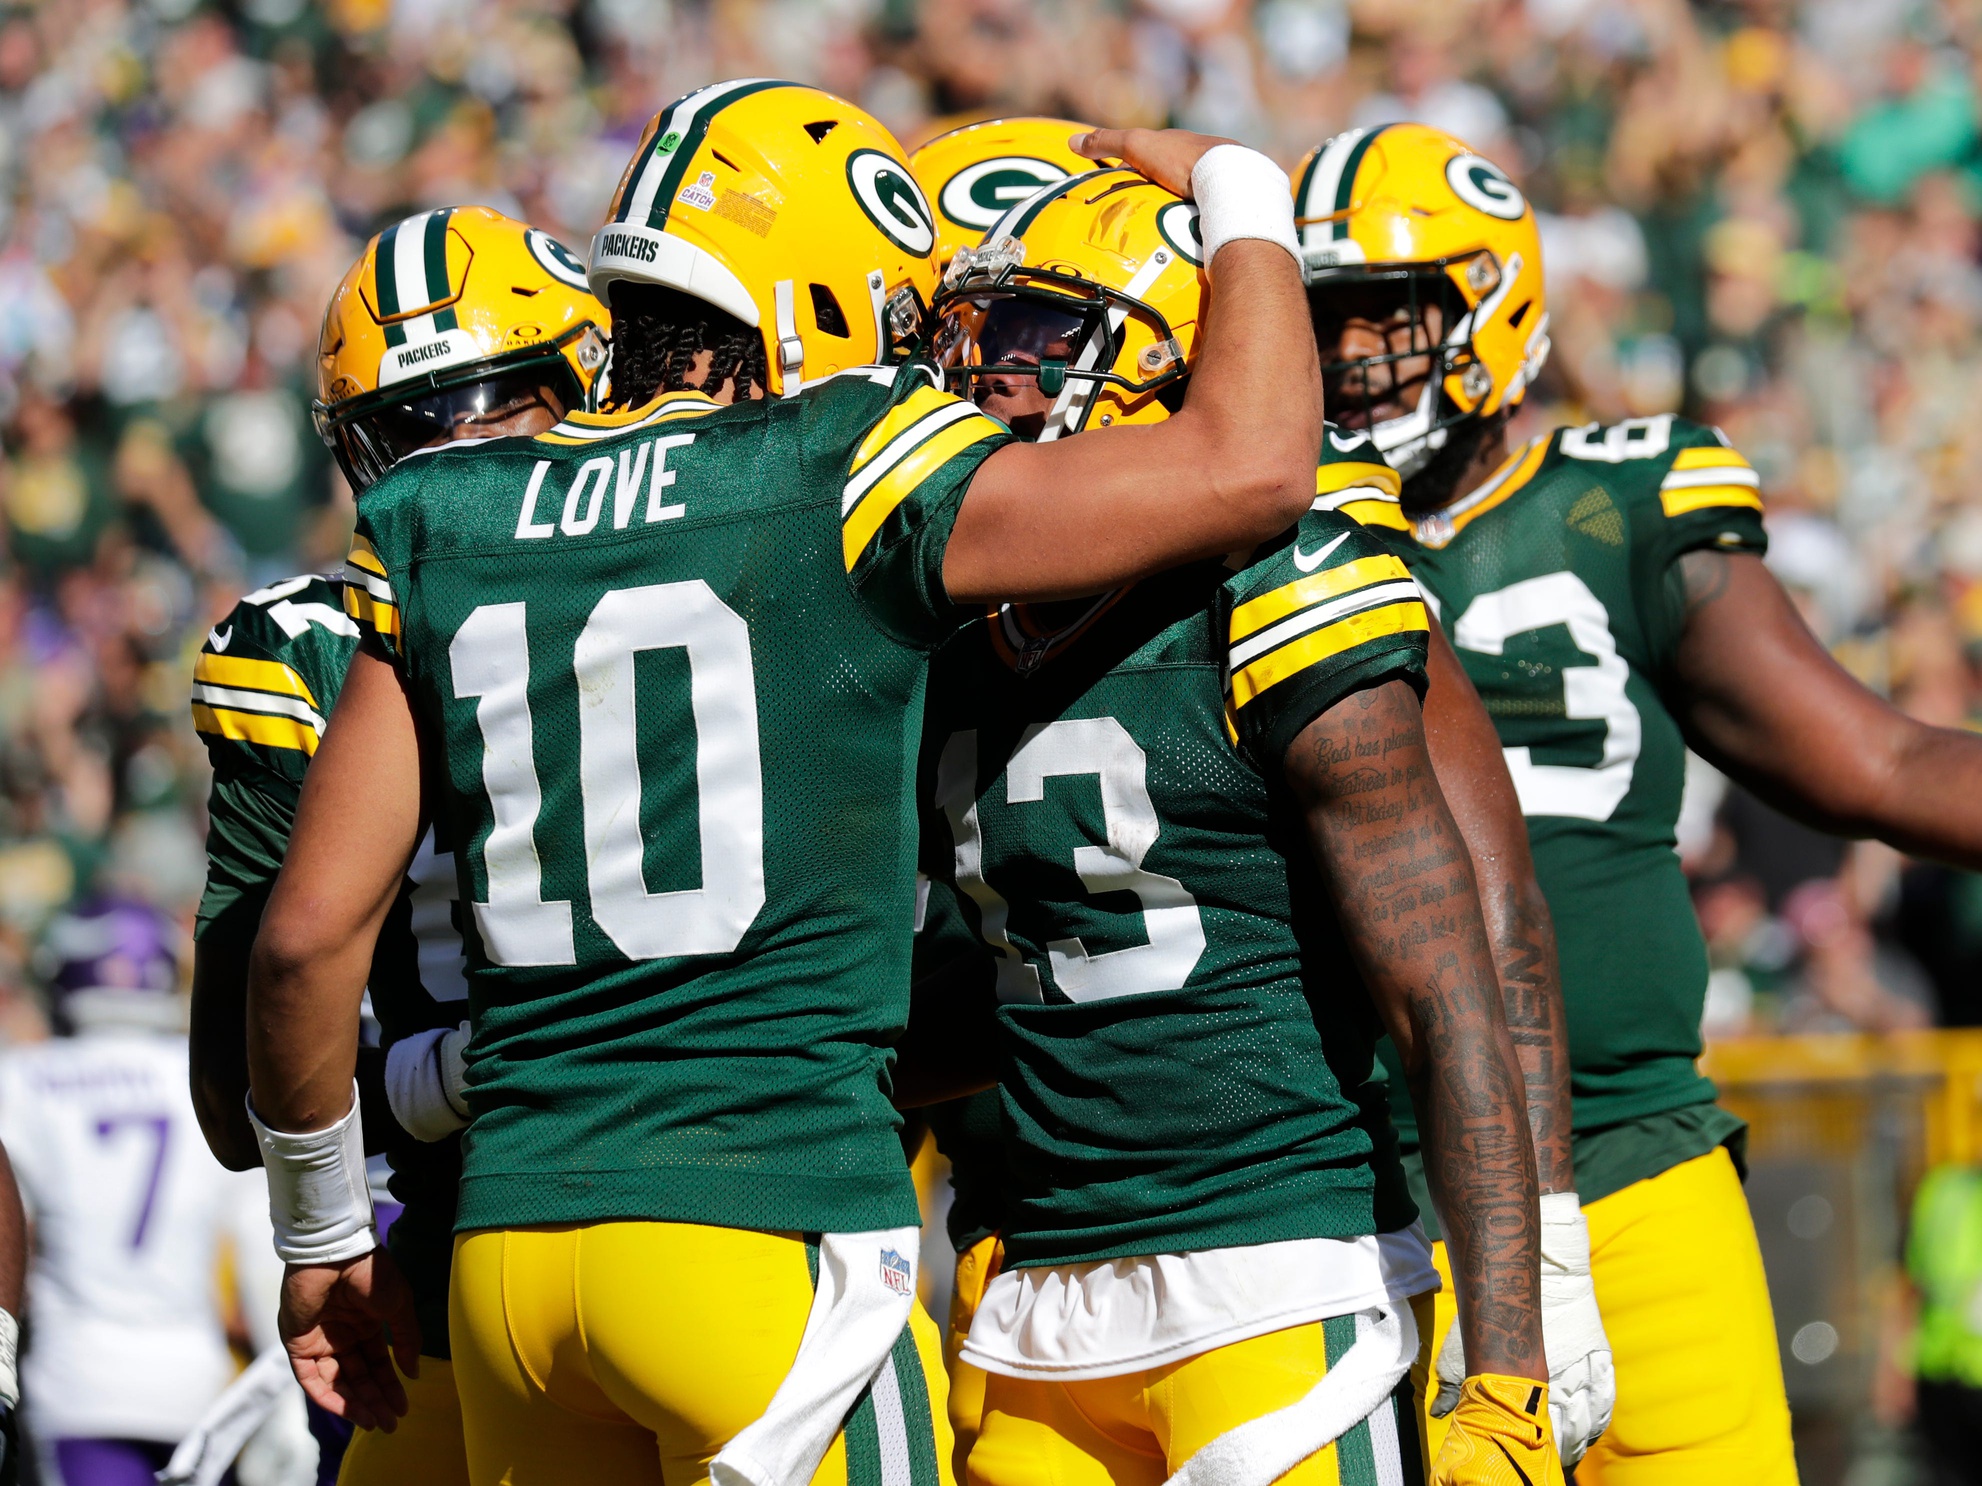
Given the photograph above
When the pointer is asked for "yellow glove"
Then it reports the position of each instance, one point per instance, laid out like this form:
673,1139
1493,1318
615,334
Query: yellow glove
1499,1436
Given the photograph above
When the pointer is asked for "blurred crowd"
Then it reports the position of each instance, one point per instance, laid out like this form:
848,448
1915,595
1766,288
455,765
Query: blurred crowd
1763,213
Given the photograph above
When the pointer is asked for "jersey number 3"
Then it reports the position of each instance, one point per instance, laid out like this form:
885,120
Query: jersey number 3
490,656
1594,693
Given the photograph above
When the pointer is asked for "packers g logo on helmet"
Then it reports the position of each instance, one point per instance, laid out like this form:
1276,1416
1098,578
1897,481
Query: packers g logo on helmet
1410,211
975,173
445,317
1481,185
789,209
980,194
892,200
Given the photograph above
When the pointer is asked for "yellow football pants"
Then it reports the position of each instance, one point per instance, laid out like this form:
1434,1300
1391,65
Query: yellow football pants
1139,1428
1699,1380
633,1352
977,1267
425,1450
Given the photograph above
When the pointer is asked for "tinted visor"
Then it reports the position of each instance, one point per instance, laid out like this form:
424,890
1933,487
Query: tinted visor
368,444
1015,331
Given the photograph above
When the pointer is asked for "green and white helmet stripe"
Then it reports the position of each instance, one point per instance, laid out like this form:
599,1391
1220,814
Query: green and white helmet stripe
410,280
657,174
1022,216
1326,190
411,265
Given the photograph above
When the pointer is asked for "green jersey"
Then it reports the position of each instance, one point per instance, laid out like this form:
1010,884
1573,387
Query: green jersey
1556,581
1188,1054
968,1131
263,685
674,662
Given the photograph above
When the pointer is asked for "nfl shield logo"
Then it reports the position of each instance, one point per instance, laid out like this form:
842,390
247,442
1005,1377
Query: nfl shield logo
896,1273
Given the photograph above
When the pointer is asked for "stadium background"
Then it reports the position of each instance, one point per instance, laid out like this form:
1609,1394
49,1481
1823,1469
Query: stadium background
1765,214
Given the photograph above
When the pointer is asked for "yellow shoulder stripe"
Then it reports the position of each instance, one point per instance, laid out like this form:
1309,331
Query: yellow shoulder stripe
1699,497
1277,665
922,401
1329,478
253,727
1709,457
888,492
363,554
253,675
1257,614
381,616
1385,513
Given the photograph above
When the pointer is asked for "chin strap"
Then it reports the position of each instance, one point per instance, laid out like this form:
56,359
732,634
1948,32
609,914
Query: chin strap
791,350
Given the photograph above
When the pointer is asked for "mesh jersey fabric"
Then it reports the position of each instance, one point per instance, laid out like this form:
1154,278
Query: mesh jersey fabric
1556,580
1187,1052
675,660
264,685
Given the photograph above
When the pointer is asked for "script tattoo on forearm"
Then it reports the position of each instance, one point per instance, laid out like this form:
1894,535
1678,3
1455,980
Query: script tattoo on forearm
1523,937
1403,886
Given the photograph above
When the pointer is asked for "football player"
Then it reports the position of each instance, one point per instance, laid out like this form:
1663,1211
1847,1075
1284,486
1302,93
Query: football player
131,1214
1159,803
963,172
1605,590
454,324
669,665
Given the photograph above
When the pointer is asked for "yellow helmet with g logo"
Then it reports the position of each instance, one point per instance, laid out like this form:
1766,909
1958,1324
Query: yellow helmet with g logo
1405,220
976,173
451,317
787,208
1081,308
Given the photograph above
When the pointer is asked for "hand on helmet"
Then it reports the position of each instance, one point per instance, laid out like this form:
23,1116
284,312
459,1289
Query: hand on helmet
1166,156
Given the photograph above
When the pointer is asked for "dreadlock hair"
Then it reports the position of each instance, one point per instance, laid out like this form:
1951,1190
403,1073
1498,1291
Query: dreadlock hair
658,332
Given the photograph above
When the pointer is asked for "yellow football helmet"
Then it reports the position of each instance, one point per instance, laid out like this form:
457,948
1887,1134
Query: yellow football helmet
448,317
976,173
785,207
1083,301
1402,217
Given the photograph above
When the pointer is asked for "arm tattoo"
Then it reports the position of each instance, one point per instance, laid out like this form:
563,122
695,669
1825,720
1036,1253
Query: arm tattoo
1705,575
1523,938
1403,886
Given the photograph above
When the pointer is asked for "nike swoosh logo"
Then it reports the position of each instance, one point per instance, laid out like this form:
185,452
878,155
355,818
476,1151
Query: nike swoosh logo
1511,1463
219,641
1307,562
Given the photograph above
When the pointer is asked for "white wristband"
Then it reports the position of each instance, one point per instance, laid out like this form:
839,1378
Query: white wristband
10,1340
423,1082
318,1197
1565,1235
1241,193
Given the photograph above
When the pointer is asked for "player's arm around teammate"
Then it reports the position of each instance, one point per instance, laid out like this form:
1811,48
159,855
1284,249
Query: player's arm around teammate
1811,739
1403,882
1232,468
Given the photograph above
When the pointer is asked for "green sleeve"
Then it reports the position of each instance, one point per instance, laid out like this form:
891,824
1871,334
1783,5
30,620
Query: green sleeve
248,825
902,462
1328,611
377,561
1707,497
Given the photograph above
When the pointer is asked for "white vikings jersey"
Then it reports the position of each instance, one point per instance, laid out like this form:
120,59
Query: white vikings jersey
131,1212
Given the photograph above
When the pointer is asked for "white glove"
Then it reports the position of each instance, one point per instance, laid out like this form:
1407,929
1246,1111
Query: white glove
424,1077
1582,1385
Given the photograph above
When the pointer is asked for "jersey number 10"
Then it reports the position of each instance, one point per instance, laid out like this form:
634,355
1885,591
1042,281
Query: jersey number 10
490,657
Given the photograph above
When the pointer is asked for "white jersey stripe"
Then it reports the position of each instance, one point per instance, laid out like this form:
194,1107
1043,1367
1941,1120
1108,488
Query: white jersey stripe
1254,646
900,447
257,701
